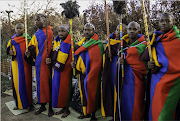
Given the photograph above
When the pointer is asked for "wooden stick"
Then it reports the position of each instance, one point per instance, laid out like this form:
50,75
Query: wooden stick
47,39
107,26
25,19
9,26
47,36
146,31
72,43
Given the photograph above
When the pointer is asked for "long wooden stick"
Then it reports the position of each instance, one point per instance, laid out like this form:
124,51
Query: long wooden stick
72,45
107,26
146,31
9,26
47,38
25,19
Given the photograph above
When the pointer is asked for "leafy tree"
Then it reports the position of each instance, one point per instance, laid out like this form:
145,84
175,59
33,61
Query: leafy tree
96,15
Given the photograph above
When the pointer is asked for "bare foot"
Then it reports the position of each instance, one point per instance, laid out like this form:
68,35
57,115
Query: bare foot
93,119
82,116
50,113
31,107
41,109
66,113
15,108
60,112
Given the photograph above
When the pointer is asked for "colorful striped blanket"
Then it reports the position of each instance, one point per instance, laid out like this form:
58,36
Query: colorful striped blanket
165,82
62,76
132,97
21,73
89,58
38,49
108,79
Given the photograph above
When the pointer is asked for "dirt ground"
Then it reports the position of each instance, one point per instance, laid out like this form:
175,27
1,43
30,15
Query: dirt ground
6,114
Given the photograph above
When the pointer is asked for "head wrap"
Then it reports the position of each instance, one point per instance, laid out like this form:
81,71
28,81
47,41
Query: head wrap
167,14
19,24
90,25
65,26
41,16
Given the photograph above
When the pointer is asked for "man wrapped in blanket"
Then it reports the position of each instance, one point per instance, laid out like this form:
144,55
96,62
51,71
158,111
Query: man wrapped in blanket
21,71
37,56
109,71
132,92
165,70
89,59
62,76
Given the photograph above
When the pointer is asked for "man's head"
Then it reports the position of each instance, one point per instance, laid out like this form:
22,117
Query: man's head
133,29
89,30
19,29
166,22
40,20
124,31
63,31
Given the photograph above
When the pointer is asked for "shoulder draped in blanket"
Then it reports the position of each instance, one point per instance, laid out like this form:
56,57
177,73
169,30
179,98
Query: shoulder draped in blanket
38,49
89,59
165,82
133,92
21,73
108,78
62,76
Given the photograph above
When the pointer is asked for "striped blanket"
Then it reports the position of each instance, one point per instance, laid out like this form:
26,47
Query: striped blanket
133,92
165,81
89,63
108,78
38,49
21,73
62,76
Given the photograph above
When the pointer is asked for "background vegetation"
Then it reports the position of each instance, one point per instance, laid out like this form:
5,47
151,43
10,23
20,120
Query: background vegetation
95,13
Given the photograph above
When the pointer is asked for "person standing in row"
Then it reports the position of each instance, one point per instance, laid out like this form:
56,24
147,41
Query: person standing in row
37,56
89,59
61,57
109,71
165,70
133,88
21,71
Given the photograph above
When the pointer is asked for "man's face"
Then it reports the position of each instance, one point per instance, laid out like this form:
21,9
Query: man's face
39,22
166,23
133,30
88,31
19,30
62,33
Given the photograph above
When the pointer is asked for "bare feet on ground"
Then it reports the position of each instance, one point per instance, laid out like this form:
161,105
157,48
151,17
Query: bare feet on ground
66,113
41,109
